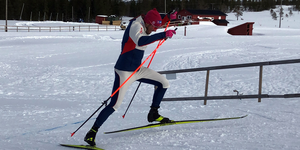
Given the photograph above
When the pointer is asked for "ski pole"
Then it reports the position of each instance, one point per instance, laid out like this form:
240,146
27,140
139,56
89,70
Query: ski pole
158,45
139,84
105,102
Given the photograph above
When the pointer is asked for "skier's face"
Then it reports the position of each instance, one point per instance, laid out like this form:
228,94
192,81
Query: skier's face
150,28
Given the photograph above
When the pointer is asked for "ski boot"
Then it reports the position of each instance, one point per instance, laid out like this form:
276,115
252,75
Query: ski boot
90,137
154,116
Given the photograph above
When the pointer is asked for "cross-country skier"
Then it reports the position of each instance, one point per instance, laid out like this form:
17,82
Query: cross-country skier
135,40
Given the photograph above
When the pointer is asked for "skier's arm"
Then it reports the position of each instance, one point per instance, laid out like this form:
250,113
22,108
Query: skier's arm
145,40
140,38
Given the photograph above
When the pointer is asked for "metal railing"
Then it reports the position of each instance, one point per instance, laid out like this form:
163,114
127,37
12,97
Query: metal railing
208,69
60,28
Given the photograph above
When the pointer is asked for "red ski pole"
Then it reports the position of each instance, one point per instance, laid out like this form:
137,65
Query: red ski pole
158,45
105,102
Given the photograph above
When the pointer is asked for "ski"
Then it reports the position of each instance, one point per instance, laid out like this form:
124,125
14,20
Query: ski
88,147
173,123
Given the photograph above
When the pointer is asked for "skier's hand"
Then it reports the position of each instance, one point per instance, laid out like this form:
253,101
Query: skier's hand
170,33
173,15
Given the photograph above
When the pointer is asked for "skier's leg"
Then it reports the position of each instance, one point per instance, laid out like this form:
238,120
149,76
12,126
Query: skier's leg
161,84
116,100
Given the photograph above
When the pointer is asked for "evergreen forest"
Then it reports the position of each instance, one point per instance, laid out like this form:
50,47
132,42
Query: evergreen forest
87,10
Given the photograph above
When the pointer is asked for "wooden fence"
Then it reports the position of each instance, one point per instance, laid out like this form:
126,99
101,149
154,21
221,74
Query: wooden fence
60,28
208,69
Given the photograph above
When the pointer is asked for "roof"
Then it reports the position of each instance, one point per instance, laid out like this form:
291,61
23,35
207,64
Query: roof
206,12
220,21
104,16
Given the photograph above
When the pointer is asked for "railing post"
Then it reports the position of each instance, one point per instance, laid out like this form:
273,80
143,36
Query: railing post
260,82
206,86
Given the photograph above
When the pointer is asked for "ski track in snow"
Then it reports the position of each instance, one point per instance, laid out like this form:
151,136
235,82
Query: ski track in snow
51,82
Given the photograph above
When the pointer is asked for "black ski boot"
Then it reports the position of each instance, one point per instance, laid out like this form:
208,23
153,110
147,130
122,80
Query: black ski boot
154,116
90,137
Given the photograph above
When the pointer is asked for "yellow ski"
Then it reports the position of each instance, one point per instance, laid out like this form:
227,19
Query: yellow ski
173,123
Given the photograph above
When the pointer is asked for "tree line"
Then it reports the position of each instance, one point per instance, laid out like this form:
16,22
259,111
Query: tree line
73,10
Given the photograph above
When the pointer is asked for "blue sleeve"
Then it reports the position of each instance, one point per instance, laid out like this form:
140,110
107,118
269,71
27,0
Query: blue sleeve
145,40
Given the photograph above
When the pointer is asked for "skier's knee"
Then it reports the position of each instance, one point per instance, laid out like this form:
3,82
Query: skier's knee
165,84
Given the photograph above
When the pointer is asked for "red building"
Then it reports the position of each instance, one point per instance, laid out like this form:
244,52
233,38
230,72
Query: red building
243,29
194,16
100,18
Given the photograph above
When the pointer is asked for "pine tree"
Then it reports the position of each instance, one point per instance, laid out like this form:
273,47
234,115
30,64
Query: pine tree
274,15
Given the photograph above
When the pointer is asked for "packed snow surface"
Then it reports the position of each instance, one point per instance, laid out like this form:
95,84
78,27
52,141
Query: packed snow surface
51,82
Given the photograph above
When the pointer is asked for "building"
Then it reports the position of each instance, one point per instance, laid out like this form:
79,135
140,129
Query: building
194,16
100,18
243,29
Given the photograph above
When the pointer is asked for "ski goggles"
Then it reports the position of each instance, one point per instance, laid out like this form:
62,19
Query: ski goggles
156,24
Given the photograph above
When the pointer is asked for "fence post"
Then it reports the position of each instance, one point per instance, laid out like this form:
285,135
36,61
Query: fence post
206,87
260,82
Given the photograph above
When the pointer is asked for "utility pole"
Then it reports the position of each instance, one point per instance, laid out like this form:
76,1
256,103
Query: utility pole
50,16
6,16
22,12
212,6
72,15
44,16
165,6
89,14
280,14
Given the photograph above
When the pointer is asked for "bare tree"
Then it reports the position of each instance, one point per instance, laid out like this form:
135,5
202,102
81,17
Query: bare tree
238,12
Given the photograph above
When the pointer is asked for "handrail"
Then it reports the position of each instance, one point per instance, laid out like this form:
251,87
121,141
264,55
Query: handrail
208,69
232,66
231,97
61,28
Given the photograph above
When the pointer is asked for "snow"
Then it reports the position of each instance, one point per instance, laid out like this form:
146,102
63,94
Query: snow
53,81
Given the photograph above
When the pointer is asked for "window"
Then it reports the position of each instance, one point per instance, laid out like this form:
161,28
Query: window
179,16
